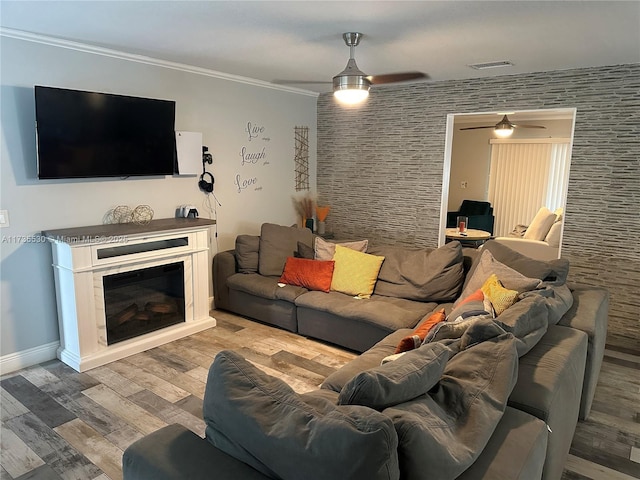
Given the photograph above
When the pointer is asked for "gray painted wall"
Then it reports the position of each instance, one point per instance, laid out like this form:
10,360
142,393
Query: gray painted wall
219,108
380,167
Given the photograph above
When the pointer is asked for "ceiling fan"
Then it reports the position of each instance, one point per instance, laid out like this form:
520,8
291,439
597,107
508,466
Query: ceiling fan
504,127
352,84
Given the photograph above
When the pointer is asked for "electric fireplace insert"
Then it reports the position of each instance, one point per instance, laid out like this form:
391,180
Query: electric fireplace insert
142,301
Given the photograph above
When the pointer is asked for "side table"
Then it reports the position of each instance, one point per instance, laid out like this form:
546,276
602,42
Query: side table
470,238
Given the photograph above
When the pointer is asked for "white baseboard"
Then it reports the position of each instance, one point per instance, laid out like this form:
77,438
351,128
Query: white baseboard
26,358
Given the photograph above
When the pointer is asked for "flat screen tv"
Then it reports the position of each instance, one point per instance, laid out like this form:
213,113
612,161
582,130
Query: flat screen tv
89,134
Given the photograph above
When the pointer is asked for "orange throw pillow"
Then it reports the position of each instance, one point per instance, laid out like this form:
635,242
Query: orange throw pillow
415,339
478,295
311,274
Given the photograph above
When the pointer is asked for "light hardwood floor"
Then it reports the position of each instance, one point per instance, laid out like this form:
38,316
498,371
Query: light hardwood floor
60,424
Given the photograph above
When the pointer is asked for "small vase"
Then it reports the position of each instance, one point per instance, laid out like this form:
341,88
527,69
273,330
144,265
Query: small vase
321,228
309,224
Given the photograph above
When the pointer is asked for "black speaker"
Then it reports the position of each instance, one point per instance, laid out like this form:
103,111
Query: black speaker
206,186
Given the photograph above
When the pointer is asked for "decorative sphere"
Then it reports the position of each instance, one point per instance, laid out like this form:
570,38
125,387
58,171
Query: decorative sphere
122,214
142,214
108,217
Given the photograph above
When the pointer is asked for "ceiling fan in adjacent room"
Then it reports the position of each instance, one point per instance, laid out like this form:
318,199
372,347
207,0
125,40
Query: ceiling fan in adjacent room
352,84
504,127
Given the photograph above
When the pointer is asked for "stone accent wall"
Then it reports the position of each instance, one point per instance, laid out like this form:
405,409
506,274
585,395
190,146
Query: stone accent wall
380,168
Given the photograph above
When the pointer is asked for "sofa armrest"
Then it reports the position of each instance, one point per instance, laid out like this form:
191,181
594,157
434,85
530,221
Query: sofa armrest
224,265
531,248
175,453
590,314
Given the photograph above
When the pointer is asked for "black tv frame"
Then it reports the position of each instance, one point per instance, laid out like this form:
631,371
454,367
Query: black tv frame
84,134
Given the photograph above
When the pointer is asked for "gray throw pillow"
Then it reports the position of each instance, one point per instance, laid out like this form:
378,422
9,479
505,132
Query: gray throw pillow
305,251
277,243
510,278
261,421
325,250
551,270
424,275
247,247
401,380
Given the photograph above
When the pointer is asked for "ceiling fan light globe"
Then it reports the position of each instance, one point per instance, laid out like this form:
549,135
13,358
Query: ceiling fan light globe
351,89
503,131
351,96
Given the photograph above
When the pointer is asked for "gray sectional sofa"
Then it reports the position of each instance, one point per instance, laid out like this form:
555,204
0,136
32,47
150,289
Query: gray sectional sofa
482,397
245,281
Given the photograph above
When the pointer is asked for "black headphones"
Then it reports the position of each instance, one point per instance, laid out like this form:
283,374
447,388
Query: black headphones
206,186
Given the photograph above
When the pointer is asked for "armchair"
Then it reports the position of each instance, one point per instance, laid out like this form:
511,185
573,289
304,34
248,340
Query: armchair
540,239
480,215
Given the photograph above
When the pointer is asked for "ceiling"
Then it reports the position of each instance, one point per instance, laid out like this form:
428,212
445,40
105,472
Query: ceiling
302,40
520,116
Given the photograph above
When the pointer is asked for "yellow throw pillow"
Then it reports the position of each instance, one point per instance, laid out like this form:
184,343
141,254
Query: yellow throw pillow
355,273
501,298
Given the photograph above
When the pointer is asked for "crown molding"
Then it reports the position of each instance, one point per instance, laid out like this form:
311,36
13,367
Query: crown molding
106,52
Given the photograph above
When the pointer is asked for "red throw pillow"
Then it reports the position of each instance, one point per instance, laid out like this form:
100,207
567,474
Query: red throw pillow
311,274
415,339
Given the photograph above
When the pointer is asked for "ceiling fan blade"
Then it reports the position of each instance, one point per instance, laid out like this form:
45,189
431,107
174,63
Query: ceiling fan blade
476,128
516,125
397,77
352,75
298,82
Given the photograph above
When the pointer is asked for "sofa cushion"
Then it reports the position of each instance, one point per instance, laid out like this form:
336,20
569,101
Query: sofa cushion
325,250
265,287
367,360
527,320
540,225
389,312
420,274
553,237
442,432
355,273
510,278
176,453
404,379
311,274
552,270
247,248
244,410
277,243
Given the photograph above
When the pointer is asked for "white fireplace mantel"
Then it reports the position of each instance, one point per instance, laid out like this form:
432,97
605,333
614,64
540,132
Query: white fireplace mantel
83,256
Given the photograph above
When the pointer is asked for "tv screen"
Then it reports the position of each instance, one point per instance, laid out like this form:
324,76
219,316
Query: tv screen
88,134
